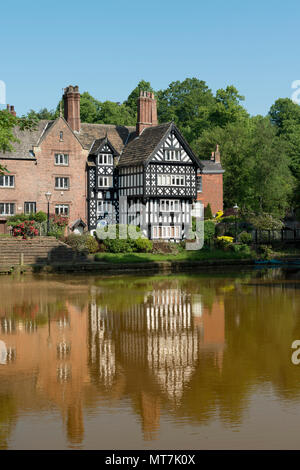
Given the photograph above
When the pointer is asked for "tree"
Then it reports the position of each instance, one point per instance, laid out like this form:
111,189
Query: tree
188,104
227,107
115,113
132,98
257,173
43,113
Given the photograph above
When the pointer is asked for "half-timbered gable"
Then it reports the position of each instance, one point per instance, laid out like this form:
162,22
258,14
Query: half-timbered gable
159,169
102,182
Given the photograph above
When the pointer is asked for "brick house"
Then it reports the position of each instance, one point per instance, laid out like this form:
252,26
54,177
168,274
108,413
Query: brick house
85,165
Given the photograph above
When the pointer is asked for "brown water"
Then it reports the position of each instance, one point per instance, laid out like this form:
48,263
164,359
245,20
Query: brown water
174,362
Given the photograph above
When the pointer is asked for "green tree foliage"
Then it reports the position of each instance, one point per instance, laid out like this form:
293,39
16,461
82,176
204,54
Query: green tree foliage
285,116
188,104
43,113
132,98
208,212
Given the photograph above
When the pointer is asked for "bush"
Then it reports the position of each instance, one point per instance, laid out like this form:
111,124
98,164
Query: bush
264,251
40,217
91,244
224,242
143,245
242,249
17,218
209,231
25,229
82,243
245,238
265,222
208,212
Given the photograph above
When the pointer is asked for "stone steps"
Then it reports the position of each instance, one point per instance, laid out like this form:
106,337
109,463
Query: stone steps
40,250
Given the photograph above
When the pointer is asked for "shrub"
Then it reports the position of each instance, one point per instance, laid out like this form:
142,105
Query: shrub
120,245
224,242
91,244
208,212
209,231
242,249
143,245
245,238
265,222
219,214
264,251
25,229
82,243
40,217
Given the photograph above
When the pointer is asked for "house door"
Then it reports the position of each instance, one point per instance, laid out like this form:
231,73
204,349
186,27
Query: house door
2,226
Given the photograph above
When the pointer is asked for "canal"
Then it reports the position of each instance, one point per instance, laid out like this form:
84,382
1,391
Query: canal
166,362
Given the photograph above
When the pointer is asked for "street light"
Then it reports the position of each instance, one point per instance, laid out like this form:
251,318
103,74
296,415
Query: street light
48,197
235,208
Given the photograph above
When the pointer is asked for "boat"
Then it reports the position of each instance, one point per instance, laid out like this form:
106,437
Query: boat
269,261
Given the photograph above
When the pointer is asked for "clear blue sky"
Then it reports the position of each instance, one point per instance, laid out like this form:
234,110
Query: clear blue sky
106,47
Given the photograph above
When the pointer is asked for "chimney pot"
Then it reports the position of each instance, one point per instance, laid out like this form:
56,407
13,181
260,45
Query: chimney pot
71,99
147,111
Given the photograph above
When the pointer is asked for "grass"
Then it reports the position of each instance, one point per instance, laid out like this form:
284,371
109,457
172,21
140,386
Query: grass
199,255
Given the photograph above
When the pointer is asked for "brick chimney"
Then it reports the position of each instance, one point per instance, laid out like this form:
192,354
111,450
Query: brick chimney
216,156
146,111
72,107
11,110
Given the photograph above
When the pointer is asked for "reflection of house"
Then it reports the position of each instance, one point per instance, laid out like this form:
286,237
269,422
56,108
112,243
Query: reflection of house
56,353
149,351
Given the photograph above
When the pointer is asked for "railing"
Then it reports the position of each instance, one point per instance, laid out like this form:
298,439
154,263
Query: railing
269,236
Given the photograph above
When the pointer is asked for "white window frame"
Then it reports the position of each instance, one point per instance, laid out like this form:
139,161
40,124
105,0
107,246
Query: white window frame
104,207
61,159
60,209
105,159
166,231
106,180
199,183
172,155
170,180
30,203
62,182
9,208
173,205
7,179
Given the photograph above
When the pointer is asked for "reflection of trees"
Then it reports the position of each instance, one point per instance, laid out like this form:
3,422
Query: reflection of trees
8,411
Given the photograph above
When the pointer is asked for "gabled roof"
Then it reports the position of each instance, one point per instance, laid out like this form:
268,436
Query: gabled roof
118,136
141,149
211,167
28,139
99,144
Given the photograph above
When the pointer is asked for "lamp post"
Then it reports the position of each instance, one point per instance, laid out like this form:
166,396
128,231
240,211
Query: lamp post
235,208
48,197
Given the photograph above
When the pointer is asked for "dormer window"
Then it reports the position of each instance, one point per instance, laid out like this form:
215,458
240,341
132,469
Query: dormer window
172,155
105,159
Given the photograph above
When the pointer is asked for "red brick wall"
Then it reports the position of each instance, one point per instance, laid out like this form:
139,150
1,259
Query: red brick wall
212,191
34,179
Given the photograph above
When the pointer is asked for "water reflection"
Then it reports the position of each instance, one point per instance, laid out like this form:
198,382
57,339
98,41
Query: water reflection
194,347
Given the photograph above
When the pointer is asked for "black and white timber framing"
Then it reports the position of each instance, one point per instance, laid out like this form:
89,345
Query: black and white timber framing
155,175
